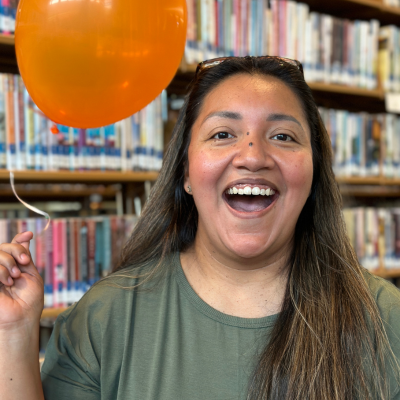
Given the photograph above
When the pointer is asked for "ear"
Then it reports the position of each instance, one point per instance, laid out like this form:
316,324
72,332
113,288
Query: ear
186,181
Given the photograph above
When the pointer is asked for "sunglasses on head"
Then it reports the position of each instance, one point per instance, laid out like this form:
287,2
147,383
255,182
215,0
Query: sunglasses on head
216,61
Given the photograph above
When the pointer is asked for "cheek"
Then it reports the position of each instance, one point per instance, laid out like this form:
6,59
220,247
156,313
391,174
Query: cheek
206,166
298,172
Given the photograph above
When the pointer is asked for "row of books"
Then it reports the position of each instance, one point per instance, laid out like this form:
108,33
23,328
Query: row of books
392,3
73,253
8,12
375,235
364,144
29,140
332,50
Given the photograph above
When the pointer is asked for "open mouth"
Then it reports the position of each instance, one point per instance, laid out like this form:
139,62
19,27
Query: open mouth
248,198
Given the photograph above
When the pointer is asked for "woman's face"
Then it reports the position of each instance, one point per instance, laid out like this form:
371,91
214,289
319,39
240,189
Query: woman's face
250,137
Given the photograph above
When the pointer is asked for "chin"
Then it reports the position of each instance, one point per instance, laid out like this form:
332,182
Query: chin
248,250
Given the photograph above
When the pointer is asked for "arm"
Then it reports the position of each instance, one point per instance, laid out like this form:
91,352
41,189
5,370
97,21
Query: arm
19,364
21,304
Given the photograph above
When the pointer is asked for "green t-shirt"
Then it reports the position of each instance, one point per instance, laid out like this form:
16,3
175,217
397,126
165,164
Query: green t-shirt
164,344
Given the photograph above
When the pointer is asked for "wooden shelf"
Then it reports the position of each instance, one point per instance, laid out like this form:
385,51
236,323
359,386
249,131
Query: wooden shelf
369,191
349,90
186,72
57,192
387,273
8,40
358,9
79,176
381,181
52,312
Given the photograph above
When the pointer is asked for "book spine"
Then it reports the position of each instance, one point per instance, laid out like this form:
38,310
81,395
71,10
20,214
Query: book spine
57,264
21,122
48,254
3,141
79,284
71,262
83,255
64,260
99,249
107,247
91,250
10,128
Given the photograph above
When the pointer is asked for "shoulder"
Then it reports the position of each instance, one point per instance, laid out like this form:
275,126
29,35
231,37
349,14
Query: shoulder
386,295
116,295
387,298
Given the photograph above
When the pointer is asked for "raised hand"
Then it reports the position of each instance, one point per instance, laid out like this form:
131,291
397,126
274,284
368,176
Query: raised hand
21,286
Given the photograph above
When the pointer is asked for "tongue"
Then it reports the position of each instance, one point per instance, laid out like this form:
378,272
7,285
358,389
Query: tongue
248,203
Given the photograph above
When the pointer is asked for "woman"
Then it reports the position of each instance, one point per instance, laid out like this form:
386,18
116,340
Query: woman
238,281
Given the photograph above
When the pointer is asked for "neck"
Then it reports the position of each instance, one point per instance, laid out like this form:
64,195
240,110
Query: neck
236,287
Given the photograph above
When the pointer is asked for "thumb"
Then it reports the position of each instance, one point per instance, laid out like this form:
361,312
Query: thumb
23,238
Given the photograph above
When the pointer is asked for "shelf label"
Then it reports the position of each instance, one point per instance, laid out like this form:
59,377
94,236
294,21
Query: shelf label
392,102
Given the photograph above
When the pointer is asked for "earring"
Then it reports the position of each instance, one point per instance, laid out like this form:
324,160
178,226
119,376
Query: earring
189,189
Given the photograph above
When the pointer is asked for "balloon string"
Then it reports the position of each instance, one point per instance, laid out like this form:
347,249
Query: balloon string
34,209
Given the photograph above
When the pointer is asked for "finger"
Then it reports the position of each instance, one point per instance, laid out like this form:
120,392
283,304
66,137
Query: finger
18,252
6,274
23,239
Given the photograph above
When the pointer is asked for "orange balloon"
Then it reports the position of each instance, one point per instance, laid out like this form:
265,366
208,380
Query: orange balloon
90,63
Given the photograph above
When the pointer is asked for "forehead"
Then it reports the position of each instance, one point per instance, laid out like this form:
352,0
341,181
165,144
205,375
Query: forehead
247,93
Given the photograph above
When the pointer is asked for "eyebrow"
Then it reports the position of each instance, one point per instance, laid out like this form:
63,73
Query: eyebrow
283,117
238,116
223,114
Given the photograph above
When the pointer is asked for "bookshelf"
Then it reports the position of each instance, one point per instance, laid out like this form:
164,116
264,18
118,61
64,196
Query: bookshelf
79,176
52,312
363,9
58,192
379,181
7,40
369,99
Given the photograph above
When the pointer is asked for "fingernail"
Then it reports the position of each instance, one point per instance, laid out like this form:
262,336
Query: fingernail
24,257
15,270
10,281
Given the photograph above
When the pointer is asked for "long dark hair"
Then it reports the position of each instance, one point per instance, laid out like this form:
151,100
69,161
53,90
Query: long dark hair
329,341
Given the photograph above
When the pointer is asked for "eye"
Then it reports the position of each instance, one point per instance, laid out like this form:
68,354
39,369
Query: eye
282,137
222,135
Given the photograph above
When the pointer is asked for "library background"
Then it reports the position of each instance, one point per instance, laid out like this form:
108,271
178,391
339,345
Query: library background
94,182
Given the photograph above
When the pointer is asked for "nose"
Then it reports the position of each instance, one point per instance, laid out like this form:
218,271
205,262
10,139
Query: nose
254,154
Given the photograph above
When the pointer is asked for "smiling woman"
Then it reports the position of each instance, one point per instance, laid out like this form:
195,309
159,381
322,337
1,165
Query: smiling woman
238,281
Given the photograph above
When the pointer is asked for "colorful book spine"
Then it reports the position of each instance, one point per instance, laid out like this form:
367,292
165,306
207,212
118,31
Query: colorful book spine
29,140
331,49
364,144
375,235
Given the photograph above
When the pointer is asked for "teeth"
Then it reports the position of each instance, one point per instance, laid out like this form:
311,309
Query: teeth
255,191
